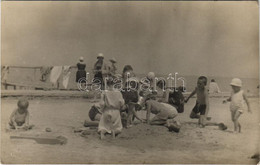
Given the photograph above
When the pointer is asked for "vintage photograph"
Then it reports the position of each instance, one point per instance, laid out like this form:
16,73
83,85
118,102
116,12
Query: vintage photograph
130,82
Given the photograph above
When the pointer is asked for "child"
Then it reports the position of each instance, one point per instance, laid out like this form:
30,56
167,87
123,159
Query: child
172,96
202,102
128,72
19,119
130,94
164,113
237,99
94,115
110,104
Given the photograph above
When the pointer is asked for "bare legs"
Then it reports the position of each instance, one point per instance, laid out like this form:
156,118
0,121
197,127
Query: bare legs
234,116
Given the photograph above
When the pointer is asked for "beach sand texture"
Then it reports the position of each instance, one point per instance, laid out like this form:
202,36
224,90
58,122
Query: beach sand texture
139,144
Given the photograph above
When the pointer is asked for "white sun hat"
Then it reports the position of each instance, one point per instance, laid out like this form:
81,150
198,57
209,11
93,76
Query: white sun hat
100,55
236,82
81,59
151,75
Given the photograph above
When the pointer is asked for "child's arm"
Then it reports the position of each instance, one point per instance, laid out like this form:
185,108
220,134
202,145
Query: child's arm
192,94
148,112
27,119
229,99
135,114
12,119
247,102
207,102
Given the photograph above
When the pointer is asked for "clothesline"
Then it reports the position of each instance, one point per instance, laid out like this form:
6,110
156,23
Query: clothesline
55,73
31,67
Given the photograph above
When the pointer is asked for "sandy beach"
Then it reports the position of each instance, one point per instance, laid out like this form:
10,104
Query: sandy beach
141,143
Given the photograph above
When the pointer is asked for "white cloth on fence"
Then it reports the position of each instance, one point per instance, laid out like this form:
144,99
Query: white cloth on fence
45,71
55,74
66,76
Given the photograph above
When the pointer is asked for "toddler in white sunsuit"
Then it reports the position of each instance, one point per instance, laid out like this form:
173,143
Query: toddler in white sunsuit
237,100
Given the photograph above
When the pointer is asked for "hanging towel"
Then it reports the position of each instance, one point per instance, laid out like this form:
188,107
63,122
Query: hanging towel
5,72
55,74
66,76
45,71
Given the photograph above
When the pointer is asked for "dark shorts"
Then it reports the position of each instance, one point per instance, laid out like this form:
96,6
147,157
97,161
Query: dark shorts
130,96
199,108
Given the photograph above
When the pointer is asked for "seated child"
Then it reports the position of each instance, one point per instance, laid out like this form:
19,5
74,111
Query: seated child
130,94
173,96
19,119
131,98
94,115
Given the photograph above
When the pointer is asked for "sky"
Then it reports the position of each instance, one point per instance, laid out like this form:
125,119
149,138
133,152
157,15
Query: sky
192,38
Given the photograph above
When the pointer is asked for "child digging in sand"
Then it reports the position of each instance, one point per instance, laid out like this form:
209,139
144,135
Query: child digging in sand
19,119
110,104
164,113
202,102
237,99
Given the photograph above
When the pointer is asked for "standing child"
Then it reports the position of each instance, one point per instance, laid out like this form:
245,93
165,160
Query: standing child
19,119
111,102
130,94
237,99
202,102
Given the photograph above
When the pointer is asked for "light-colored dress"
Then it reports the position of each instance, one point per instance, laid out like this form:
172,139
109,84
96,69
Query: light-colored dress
237,101
111,102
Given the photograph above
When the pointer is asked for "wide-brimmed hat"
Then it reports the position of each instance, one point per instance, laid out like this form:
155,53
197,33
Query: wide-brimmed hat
151,75
100,55
236,82
113,60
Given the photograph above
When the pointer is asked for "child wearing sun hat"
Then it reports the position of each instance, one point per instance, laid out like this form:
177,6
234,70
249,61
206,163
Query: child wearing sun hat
237,99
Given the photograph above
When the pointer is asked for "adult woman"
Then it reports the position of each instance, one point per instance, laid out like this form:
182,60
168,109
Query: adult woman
81,73
98,67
